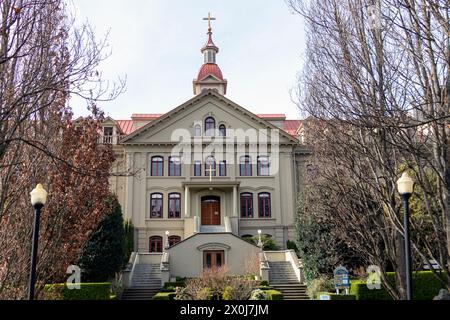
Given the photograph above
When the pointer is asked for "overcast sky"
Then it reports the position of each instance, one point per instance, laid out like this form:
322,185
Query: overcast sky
156,45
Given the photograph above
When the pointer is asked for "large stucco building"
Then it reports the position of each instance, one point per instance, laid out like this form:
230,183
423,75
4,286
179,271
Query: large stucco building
197,179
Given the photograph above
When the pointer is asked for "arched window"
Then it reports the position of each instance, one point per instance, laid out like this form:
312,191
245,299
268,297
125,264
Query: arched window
156,244
210,166
245,166
156,206
198,130
264,205
222,130
174,167
263,166
210,126
173,240
174,206
247,205
157,166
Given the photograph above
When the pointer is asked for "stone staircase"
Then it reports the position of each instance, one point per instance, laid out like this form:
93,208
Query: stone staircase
146,282
283,278
212,229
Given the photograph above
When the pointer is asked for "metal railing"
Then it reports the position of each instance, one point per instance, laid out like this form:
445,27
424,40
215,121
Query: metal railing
135,262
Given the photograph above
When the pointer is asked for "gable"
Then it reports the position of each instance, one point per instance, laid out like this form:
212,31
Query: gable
195,111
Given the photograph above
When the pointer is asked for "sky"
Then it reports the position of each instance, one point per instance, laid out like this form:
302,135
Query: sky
156,45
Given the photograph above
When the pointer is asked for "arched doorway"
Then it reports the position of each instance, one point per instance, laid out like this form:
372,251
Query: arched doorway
211,211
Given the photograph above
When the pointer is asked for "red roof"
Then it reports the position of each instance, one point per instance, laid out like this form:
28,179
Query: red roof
209,69
126,126
291,126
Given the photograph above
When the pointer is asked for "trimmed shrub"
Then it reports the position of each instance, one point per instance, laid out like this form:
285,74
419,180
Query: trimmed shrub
164,296
334,296
274,295
264,283
173,285
258,295
425,287
359,289
88,291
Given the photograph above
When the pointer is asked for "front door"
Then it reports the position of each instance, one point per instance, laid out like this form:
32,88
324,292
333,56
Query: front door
211,211
213,259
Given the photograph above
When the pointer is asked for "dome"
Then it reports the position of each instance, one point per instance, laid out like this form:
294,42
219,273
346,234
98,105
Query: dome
210,69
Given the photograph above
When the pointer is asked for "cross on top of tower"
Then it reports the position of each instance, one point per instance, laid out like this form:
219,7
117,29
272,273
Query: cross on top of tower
209,19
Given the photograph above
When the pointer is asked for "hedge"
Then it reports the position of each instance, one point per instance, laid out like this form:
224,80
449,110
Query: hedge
334,296
164,296
274,295
425,287
87,291
170,285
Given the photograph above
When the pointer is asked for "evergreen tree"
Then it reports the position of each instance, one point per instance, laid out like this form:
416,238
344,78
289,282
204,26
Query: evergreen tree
103,255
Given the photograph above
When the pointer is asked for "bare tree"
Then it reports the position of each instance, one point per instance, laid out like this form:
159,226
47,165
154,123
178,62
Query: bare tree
376,84
44,61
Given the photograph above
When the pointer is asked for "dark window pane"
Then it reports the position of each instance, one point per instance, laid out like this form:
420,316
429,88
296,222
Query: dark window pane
222,131
210,126
223,169
157,166
197,169
174,206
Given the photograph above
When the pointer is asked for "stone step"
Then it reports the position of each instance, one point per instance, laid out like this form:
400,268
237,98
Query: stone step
144,293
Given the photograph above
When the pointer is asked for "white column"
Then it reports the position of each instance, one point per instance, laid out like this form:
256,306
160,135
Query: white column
187,202
235,200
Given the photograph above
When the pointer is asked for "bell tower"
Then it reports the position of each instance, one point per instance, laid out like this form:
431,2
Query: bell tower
210,76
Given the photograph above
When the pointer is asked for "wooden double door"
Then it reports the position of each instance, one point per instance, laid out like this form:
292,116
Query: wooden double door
211,211
213,259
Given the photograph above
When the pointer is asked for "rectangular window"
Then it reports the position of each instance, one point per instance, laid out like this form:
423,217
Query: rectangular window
223,168
264,205
174,206
245,166
246,205
156,206
197,169
263,166
174,167
157,167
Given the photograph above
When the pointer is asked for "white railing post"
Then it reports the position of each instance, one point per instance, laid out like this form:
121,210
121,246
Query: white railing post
165,268
264,266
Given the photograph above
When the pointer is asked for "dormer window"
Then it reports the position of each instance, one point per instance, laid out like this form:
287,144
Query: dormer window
108,133
210,126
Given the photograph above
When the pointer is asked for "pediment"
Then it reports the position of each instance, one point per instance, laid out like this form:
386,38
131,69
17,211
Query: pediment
208,104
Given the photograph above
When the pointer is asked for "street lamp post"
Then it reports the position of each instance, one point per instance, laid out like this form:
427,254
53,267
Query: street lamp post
38,200
405,188
260,244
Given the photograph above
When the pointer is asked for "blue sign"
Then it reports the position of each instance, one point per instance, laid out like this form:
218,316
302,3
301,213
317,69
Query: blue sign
341,278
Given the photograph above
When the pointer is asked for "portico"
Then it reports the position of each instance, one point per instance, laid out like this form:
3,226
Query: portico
211,206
